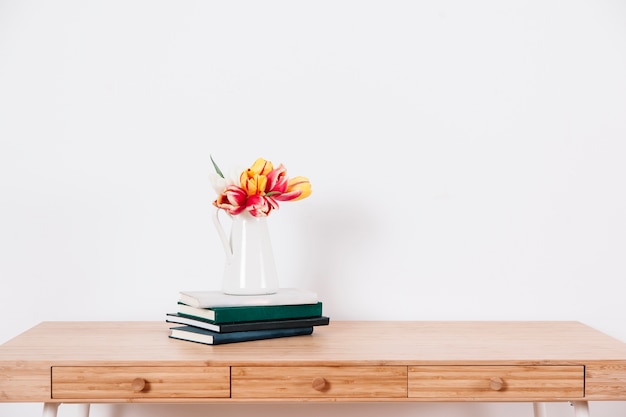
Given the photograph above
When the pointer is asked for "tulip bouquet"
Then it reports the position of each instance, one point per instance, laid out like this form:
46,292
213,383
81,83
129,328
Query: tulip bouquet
257,189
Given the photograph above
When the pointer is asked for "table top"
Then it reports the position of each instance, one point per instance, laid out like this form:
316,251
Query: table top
340,342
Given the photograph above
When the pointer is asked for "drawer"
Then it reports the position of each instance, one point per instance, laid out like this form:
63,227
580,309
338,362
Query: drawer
496,382
319,382
134,382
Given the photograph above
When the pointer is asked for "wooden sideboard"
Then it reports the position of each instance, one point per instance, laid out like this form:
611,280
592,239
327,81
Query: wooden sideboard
346,361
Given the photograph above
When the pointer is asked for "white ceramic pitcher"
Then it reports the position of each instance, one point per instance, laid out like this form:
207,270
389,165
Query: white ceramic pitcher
250,267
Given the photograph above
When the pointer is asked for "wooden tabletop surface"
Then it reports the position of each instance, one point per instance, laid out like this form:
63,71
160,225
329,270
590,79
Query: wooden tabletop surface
354,342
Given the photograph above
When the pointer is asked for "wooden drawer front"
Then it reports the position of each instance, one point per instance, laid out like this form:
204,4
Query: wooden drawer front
319,382
101,382
496,382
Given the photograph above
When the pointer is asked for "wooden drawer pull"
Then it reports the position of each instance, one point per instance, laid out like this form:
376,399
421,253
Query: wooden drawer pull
138,384
319,384
496,383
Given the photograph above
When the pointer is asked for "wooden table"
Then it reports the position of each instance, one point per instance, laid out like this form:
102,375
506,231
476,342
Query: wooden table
346,361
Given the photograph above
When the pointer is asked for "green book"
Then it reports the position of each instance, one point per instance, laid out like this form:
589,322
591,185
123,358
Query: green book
195,334
247,325
251,313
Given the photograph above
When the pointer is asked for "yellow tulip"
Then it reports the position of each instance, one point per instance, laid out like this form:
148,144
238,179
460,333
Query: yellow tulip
298,188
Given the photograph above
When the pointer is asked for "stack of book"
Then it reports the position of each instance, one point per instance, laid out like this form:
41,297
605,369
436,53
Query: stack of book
213,318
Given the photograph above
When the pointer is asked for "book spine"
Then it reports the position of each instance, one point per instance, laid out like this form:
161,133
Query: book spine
203,324
257,313
234,337
272,325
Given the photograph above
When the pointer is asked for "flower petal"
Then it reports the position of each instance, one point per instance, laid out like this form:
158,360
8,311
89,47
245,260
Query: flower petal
260,206
218,183
233,200
277,180
261,167
298,188
254,185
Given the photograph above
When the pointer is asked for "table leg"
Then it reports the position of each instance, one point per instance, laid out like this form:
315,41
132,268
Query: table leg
83,410
50,409
581,408
539,409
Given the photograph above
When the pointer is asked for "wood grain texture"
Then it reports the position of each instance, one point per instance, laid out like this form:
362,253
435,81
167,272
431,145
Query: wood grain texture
546,359
605,381
357,342
24,381
497,383
301,381
125,382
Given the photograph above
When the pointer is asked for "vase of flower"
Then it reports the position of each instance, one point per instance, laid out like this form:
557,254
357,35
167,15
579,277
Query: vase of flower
248,197
249,268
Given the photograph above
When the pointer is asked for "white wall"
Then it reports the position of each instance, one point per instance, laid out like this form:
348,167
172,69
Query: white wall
466,159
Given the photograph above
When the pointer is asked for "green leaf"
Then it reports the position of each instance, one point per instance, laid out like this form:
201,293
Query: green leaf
217,169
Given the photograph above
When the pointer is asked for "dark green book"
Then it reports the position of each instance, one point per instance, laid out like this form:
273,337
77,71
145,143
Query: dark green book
219,315
247,325
195,334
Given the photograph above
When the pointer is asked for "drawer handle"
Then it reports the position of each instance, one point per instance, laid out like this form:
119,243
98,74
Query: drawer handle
496,383
138,384
319,384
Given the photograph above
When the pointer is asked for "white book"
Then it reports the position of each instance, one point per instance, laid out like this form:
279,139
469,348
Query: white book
213,298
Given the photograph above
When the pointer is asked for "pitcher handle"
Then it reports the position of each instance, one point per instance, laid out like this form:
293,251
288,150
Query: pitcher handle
222,234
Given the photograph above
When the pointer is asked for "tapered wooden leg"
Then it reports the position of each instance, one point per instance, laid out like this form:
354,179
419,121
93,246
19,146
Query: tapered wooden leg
50,409
539,409
581,408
